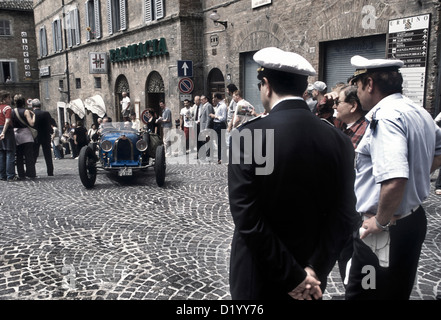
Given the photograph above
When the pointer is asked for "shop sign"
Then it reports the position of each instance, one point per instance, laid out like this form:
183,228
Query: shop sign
45,71
408,40
214,40
148,49
97,62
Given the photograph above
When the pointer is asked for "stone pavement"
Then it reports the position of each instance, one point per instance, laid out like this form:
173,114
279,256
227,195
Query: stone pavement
129,239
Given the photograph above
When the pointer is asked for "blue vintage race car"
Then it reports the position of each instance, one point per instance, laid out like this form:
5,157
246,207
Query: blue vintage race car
123,150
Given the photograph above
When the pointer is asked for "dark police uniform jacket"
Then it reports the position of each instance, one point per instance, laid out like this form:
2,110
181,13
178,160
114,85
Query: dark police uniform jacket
299,215
43,124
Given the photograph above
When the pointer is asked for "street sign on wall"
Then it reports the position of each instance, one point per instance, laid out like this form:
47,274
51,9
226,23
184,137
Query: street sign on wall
408,40
185,68
186,85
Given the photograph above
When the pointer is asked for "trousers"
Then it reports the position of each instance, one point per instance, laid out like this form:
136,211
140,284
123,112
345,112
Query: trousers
369,281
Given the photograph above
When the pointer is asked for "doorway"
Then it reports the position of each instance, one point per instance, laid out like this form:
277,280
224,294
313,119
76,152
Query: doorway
121,85
154,88
216,83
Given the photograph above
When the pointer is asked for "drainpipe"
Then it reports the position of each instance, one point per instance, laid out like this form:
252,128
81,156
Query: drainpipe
66,53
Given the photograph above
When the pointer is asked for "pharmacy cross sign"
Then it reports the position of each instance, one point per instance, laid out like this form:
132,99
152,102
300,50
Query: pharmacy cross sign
98,61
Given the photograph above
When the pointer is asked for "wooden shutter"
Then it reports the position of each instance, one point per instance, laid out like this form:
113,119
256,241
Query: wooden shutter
68,26
148,17
43,42
96,8
54,35
109,16
86,9
159,9
76,26
123,14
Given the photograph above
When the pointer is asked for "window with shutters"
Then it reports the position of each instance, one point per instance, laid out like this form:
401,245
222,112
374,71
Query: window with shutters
153,10
57,35
93,19
43,42
116,15
5,28
73,28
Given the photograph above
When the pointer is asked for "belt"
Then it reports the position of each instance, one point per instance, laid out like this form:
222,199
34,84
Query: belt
394,218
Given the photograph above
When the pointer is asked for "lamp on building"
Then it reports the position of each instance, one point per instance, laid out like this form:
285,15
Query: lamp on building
215,17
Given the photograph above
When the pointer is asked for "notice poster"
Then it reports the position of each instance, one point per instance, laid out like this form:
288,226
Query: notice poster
408,40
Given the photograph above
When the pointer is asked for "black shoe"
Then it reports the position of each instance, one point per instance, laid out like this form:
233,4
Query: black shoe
14,178
50,174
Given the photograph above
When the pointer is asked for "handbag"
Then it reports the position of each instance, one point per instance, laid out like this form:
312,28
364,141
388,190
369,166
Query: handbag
34,132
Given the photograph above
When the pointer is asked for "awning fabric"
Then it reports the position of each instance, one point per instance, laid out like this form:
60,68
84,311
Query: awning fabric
95,104
77,107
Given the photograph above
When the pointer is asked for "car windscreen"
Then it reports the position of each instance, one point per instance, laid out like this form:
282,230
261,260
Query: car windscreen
120,127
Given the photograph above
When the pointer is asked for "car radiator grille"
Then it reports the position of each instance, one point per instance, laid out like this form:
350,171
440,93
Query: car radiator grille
123,149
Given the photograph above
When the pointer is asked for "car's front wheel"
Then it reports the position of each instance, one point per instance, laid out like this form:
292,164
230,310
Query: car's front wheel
160,165
87,167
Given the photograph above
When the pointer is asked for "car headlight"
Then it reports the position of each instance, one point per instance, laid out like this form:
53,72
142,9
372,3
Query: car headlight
141,145
106,145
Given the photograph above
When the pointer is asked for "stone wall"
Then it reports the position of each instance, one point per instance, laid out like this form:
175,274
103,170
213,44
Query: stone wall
303,26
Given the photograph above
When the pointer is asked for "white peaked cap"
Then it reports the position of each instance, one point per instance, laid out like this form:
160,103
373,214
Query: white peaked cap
360,62
290,62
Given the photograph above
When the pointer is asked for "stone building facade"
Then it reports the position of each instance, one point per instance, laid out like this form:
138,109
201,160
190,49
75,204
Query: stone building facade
18,49
98,58
97,49
327,33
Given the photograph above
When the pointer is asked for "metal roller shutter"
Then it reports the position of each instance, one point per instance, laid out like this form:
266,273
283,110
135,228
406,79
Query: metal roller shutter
338,56
250,91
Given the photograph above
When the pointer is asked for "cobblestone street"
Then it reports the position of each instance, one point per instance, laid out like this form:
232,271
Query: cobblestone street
130,239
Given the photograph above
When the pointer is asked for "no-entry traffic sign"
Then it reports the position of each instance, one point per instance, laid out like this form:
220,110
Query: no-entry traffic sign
186,85
144,116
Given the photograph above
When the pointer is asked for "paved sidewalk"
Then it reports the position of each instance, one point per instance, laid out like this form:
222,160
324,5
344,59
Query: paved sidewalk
128,239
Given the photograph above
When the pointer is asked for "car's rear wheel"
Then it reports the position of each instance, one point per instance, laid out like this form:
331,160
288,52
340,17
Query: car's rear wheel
160,165
87,166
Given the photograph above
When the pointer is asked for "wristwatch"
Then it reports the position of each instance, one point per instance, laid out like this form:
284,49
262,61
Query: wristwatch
385,227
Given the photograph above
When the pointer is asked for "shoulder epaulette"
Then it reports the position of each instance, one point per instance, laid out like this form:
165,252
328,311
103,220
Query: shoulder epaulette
250,120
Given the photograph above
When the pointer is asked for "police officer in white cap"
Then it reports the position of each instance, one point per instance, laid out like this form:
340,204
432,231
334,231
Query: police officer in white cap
286,242
400,148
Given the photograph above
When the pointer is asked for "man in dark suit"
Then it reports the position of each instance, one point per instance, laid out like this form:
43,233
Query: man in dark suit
294,211
43,126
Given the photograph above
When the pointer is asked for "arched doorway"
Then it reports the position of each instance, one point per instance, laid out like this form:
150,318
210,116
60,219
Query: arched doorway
121,85
216,82
154,88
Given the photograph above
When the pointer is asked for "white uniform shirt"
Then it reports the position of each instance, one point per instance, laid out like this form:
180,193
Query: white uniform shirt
402,144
